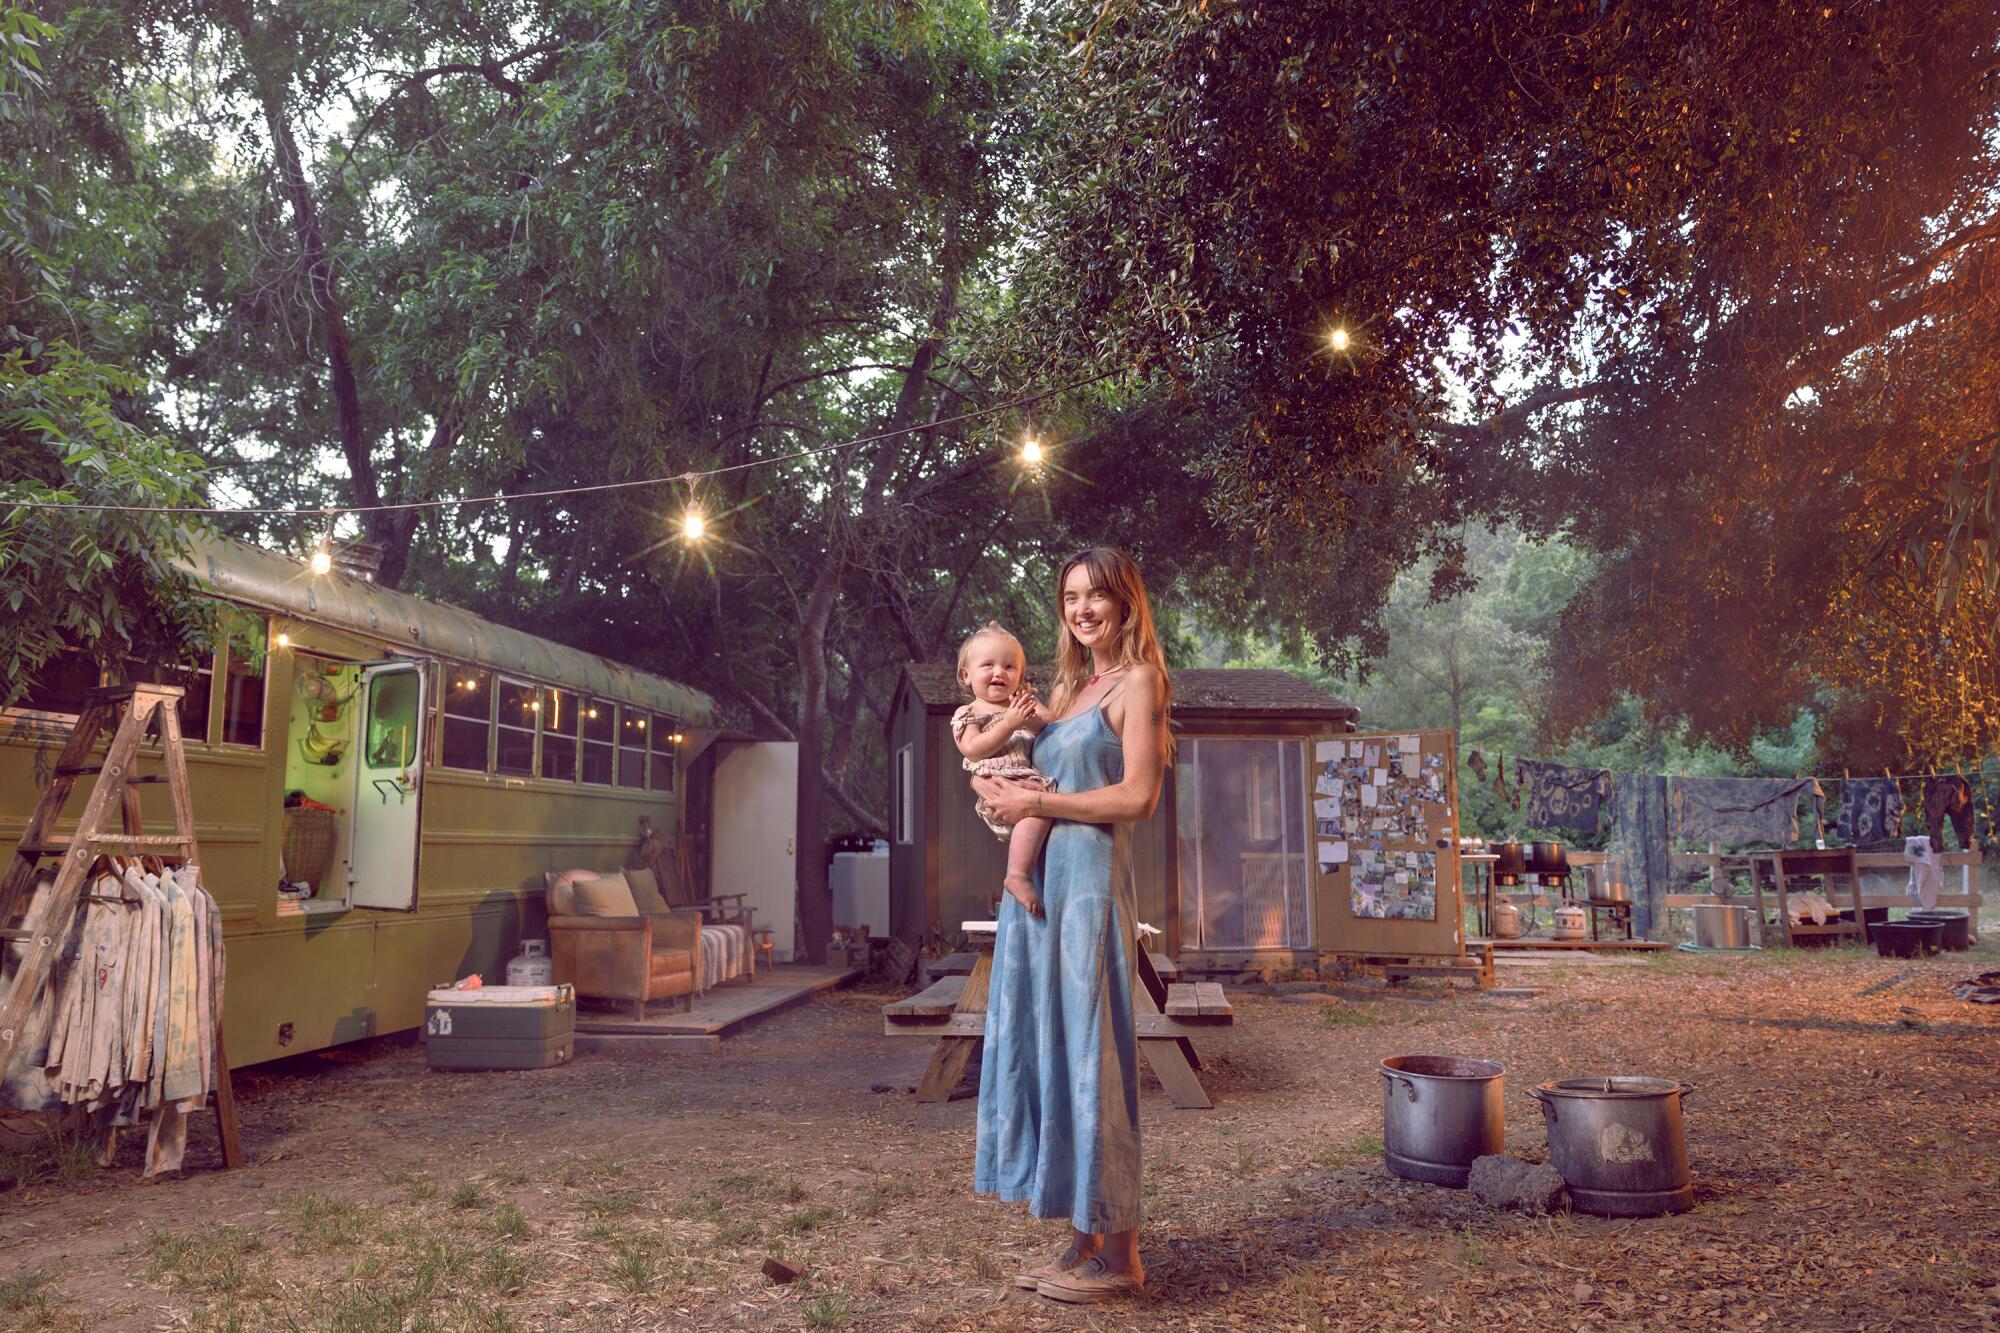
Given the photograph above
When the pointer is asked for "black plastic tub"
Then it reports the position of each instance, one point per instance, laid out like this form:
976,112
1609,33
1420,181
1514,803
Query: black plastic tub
1907,939
1874,916
1957,926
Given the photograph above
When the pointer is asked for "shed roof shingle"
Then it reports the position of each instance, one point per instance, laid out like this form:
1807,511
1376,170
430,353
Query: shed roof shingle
1196,689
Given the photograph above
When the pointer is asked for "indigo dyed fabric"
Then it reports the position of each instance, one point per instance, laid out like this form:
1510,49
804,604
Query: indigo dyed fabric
1738,811
1059,1081
1558,796
1640,840
1871,810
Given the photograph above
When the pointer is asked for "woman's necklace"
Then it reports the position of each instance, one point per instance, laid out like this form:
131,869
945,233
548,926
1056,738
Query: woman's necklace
1102,674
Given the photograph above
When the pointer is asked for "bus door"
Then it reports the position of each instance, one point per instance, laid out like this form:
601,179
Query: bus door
384,836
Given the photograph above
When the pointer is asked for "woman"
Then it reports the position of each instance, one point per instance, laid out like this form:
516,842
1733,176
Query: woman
1059,1083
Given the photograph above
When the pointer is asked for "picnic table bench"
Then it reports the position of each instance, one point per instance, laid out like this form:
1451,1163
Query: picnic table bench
952,1011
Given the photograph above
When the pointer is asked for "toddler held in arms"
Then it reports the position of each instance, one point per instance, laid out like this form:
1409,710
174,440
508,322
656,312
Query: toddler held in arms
996,733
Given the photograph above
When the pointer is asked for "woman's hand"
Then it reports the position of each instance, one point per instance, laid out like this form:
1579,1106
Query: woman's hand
1011,802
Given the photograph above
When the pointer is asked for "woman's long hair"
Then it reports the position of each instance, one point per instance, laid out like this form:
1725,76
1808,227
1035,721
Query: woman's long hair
1138,642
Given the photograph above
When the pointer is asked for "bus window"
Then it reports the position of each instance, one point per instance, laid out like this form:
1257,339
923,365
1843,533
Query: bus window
600,735
631,748
559,727
468,719
242,686
514,728
393,704
60,684
664,735
193,677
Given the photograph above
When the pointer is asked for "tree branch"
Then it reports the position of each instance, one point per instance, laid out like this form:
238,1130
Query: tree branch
1509,419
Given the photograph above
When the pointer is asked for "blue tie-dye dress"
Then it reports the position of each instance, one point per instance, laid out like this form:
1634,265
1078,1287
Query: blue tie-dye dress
1059,1082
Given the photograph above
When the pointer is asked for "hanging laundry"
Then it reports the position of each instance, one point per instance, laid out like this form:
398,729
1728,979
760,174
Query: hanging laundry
1948,797
1738,811
125,1026
1511,798
1477,763
1559,796
1871,810
1926,871
1640,840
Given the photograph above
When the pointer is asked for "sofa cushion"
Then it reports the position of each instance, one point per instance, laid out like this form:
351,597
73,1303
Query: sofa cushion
645,888
666,961
608,895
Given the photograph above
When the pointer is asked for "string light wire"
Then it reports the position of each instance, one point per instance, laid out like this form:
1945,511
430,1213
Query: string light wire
592,488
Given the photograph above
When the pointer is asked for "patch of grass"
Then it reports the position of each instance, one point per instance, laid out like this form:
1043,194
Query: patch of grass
212,1262
586,1170
1246,1160
602,1233
827,1311
28,1301
738,1234
1341,1016
509,1222
468,1196
417,1186
806,1219
324,1222
507,1177
612,1203
1360,1148
502,1271
1471,1248
634,1268
58,1157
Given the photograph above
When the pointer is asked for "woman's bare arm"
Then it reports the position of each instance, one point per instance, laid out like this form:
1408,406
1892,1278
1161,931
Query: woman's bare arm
1142,729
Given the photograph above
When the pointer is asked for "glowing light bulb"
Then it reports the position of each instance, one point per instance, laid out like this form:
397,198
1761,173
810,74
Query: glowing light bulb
322,561
693,526
1031,453
284,640
1338,339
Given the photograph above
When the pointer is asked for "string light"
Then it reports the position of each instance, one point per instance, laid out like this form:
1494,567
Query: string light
321,563
1031,452
694,527
284,640
1338,339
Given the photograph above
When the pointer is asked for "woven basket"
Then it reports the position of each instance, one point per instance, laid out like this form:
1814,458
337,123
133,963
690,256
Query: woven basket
309,838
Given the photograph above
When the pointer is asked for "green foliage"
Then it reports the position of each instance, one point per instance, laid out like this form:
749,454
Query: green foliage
73,430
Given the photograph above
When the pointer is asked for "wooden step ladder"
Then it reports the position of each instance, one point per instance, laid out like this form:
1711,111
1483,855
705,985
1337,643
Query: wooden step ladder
135,708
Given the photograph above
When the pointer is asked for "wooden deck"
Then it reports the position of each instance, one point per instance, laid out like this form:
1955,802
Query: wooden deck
723,1012
1589,945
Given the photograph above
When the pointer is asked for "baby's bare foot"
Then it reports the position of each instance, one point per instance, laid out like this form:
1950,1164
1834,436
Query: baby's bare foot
1023,890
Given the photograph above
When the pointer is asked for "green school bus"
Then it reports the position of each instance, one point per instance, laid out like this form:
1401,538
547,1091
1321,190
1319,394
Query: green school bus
379,783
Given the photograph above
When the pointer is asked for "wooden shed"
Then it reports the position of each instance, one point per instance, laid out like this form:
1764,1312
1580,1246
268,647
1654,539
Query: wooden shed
1224,866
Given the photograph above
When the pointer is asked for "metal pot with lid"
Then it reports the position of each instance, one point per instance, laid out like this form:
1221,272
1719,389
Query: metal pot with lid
1619,1143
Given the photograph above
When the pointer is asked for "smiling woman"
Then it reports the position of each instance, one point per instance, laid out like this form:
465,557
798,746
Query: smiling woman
1059,1118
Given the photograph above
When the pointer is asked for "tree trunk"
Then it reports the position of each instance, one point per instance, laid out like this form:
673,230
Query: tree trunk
815,895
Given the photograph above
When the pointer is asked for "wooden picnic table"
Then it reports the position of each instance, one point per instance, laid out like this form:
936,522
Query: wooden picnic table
953,1008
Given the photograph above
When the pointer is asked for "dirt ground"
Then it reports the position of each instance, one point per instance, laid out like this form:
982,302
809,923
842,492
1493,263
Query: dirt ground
1845,1138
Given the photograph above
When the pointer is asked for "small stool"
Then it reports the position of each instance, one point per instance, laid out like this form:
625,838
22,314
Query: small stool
762,936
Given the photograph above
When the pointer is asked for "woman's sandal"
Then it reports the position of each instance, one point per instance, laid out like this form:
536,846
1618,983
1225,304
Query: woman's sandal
1091,1282
1032,1279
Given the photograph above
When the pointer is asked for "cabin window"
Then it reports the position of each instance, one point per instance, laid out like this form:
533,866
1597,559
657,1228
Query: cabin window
1244,877
468,720
244,646
514,728
665,733
903,809
395,703
600,739
560,716
631,748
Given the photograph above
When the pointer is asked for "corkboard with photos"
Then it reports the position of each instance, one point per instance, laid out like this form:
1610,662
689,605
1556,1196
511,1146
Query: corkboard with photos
1385,836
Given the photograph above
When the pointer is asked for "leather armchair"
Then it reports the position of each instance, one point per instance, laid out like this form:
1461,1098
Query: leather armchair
651,956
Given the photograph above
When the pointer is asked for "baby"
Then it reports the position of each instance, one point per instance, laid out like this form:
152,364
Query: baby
995,733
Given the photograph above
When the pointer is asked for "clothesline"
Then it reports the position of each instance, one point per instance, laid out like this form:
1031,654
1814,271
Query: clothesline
1977,770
